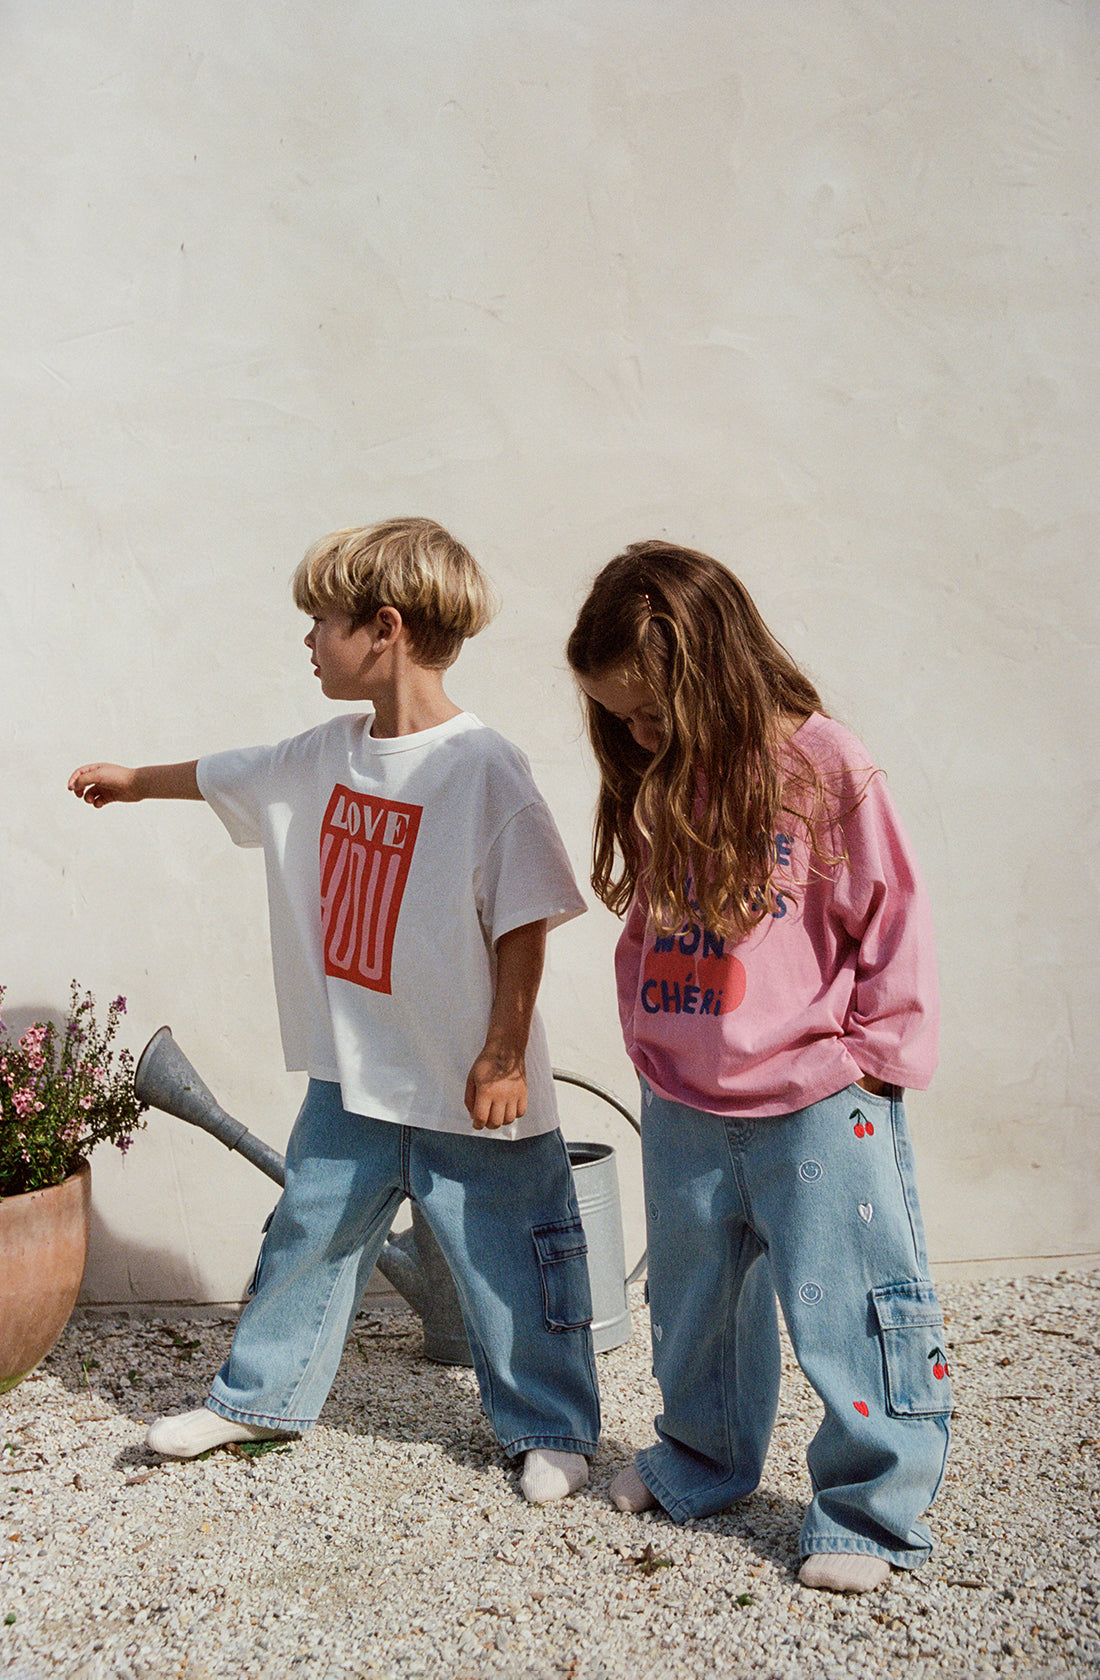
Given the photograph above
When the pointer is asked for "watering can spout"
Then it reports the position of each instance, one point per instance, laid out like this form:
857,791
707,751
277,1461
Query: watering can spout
165,1079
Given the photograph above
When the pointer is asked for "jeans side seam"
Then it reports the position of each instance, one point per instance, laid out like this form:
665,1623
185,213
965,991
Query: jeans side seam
920,1257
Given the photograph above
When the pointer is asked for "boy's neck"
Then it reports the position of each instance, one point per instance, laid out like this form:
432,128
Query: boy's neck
414,700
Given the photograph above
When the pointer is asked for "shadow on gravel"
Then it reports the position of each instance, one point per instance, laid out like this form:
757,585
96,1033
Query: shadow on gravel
384,1389
766,1523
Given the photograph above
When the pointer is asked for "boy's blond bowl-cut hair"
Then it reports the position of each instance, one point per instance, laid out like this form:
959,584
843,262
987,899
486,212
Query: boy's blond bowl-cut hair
414,565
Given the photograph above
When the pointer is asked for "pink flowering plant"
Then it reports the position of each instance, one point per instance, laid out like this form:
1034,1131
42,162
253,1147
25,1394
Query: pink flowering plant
62,1091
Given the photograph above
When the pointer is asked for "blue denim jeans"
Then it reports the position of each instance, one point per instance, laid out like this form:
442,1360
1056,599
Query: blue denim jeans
820,1209
505,1216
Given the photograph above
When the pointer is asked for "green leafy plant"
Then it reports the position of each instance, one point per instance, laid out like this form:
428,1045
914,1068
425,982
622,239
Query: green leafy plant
63,1090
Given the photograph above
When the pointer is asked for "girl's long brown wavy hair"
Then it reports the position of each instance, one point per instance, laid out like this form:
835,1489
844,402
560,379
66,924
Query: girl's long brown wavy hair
696,821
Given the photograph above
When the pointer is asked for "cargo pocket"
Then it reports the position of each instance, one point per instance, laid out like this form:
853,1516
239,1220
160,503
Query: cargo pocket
914,1355
563,1267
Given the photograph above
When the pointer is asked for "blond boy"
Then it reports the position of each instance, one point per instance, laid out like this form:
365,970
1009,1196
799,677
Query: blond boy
413,871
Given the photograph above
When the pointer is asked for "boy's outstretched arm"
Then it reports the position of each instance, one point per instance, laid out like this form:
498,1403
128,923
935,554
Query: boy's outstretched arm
496,1090
113,784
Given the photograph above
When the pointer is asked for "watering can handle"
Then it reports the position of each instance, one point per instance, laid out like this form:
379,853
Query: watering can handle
621,1108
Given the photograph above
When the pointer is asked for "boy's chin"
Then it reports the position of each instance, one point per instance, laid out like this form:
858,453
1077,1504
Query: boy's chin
347,692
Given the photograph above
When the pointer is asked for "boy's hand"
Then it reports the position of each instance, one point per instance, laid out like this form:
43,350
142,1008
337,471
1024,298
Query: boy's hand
104,784
496,1091
114,784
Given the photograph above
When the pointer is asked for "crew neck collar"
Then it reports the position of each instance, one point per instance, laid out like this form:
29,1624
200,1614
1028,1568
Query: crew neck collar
382,746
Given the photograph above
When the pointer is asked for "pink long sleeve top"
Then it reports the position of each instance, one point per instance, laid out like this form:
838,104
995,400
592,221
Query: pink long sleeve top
838,982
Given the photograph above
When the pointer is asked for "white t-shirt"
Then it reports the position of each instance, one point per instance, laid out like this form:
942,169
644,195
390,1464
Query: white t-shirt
393,867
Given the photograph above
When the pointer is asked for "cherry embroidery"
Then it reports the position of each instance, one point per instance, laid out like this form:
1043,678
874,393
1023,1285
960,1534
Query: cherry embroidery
862,1408
862,1124
941,1368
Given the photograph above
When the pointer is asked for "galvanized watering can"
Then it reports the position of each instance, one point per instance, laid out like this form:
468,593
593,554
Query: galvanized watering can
412,1262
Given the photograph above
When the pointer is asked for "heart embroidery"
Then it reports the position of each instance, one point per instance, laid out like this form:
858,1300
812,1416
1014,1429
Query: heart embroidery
657,1331
865,1212
862,1408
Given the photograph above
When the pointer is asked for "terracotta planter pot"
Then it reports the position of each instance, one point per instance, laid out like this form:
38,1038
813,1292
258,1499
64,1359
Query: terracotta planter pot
43,1250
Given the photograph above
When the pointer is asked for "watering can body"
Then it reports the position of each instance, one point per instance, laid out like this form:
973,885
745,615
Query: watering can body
412,1262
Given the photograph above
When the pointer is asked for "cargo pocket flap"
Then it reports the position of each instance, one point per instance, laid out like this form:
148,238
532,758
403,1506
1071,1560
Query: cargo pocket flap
905,1306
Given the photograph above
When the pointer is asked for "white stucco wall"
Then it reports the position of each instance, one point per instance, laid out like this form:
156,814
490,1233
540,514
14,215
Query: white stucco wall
810,284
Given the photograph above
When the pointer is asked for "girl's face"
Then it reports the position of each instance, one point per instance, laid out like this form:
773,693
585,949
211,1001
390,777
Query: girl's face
632,701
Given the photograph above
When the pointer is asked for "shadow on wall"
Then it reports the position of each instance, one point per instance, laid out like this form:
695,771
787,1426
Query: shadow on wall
152,1280
130,1273
17,1019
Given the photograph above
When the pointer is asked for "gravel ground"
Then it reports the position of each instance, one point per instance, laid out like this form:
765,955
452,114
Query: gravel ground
392,1541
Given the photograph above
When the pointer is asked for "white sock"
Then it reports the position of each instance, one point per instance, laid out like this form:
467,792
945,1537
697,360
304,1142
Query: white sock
850,1572
629,1493
549,1476
191,1433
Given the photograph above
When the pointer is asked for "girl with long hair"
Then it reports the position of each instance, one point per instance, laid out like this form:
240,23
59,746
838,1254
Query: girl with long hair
777,990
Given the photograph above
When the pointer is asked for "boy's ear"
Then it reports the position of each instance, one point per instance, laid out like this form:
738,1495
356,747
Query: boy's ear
387,626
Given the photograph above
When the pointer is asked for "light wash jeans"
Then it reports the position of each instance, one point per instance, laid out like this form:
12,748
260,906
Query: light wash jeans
820,1209
505,1216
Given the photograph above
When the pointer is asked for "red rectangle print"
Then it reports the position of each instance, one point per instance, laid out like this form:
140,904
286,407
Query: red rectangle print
366,849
